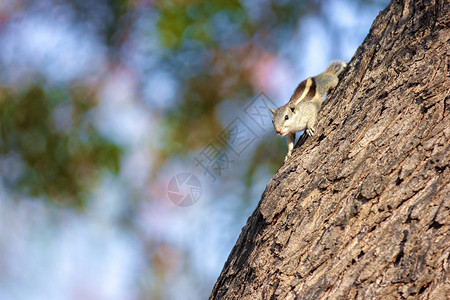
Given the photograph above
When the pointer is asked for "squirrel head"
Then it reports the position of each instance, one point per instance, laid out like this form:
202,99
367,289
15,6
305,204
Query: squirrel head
283,119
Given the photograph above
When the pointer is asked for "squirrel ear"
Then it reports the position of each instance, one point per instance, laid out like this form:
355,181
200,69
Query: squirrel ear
292,108
272,110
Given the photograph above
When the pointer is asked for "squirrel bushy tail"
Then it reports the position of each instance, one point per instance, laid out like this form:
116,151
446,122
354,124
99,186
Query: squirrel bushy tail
329,78
336,67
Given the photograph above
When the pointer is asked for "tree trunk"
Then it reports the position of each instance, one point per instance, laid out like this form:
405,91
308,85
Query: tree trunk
361,210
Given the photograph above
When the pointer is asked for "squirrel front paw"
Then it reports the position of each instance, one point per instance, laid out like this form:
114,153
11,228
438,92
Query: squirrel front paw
310,131
287,156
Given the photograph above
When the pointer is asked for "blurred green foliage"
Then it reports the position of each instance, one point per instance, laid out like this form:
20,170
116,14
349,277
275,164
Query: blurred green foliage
181,20
61,161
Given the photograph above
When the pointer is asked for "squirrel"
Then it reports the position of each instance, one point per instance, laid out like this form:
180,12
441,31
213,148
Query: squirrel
301,111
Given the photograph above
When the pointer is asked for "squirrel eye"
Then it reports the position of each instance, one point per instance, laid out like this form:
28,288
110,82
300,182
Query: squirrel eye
286,117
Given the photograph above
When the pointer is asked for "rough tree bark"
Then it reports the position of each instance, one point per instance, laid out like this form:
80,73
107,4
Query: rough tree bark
361,211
